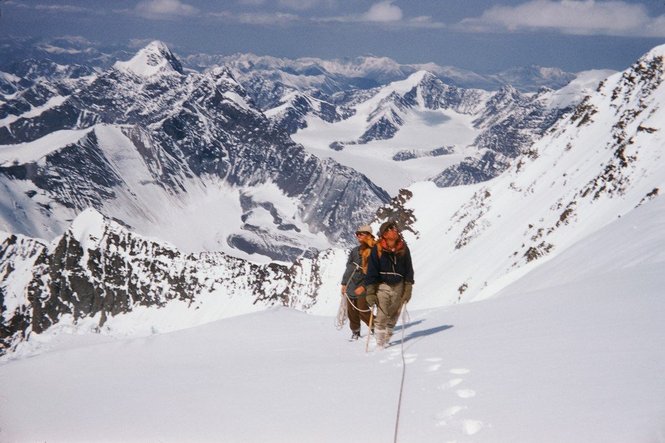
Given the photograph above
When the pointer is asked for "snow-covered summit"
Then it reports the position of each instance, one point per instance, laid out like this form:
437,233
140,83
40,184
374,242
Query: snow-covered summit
156,58
657,51
584,84
88,228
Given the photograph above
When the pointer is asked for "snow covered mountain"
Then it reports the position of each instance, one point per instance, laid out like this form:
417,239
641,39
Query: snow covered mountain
475,134
593,166
98,270
318,97
269,79
562,255
64,51
163,149
319,93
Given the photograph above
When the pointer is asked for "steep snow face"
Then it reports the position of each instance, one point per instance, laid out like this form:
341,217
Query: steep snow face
597,164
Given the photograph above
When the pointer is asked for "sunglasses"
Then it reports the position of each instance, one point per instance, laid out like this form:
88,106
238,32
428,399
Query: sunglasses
361,233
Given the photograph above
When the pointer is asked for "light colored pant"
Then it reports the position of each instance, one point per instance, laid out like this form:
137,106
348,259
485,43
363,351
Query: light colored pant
390,306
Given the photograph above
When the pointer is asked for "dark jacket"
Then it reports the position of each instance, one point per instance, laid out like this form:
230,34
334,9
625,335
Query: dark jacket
389,267
353,275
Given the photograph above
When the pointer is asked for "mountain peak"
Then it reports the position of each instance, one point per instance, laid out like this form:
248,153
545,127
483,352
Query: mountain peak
155,58
658,51
88,227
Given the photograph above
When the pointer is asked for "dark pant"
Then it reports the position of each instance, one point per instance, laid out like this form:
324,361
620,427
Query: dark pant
353,306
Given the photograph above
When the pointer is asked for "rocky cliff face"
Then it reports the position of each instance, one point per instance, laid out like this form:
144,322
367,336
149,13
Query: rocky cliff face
511,123
98,269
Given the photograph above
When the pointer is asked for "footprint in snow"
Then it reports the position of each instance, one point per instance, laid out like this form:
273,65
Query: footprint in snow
471,427
397,355
465,393
444,418
450,383
410,358
449,416
436,364
466,426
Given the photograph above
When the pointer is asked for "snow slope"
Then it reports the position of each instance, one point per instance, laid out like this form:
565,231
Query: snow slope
594,166
569,353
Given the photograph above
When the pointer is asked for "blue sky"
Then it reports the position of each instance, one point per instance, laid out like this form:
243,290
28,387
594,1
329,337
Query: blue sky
484,36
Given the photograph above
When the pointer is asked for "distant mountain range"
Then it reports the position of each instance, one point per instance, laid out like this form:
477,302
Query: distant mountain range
147,142
190,132
328,76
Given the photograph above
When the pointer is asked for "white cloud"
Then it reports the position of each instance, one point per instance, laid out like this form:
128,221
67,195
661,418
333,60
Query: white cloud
48,8
256,18
384,11
580,17
156,9
301,5
61,8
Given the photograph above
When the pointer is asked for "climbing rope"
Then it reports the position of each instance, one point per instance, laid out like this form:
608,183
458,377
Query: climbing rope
401,385
342,313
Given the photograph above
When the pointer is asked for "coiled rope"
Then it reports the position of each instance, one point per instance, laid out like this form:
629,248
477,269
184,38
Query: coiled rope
342,313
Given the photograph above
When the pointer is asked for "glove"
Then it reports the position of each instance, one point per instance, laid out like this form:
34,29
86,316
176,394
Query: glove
406,295
372,299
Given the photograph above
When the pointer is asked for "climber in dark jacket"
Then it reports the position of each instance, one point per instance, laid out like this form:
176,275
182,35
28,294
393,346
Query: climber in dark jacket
389,280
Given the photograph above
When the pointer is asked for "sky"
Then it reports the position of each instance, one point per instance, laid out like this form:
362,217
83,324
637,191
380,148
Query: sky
480,35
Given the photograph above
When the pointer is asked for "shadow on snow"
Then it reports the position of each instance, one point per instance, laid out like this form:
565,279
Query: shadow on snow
419,334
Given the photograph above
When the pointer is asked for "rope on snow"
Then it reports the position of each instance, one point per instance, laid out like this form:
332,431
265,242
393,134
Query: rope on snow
401,386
